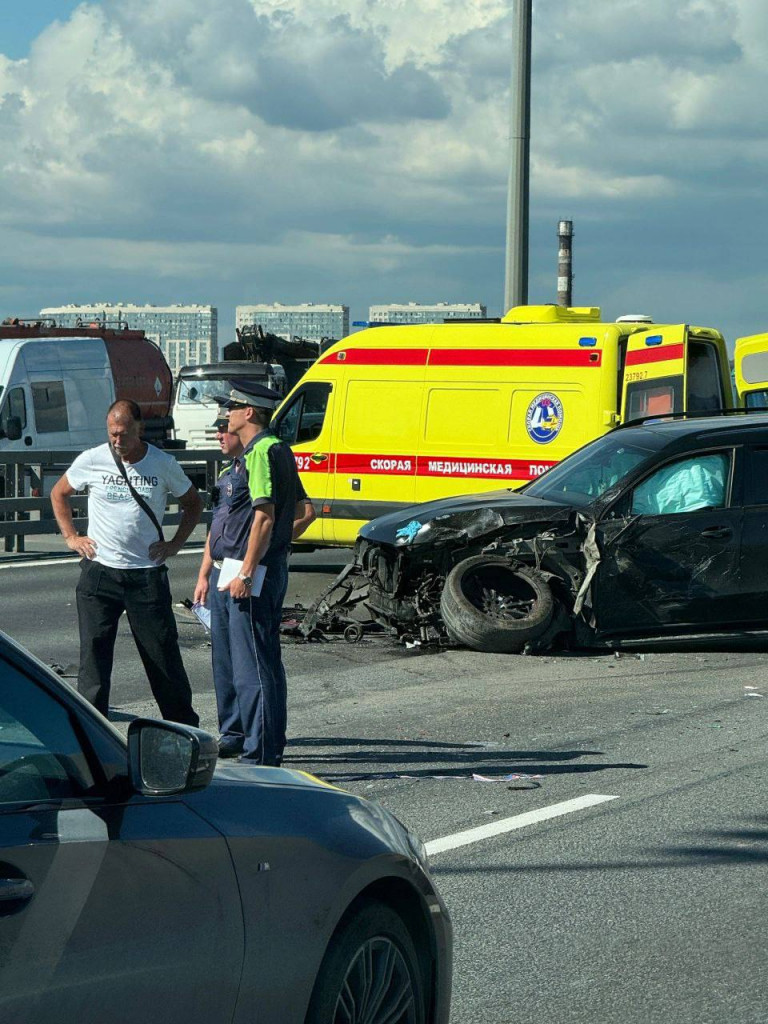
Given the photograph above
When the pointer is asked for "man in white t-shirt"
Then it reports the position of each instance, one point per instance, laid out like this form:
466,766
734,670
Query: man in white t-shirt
122,567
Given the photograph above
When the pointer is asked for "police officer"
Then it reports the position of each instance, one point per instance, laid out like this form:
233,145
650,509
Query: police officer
261,496
230,448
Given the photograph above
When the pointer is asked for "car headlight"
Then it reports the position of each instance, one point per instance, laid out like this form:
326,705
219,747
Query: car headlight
418,848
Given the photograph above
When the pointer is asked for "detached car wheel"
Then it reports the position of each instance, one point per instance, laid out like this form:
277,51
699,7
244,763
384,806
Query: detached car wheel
490,605
370,973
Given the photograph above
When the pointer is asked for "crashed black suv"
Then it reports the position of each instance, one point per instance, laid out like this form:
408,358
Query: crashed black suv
655,530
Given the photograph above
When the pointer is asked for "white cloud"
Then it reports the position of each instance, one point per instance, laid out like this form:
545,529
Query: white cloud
313,138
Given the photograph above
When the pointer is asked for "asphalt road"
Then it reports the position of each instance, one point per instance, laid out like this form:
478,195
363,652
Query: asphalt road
648,906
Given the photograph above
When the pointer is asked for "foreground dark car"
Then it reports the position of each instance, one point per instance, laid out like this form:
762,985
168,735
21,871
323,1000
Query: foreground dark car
136,885
656,530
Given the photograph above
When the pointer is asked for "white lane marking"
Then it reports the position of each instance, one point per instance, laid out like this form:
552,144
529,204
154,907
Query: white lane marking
497,828
20,564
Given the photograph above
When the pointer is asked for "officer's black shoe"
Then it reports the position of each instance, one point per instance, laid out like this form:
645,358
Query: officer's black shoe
230,747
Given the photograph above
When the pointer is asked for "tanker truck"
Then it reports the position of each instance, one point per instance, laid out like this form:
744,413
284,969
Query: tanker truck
56,384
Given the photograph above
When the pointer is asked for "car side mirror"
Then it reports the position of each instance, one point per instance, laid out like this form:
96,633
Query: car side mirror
166,758
13,428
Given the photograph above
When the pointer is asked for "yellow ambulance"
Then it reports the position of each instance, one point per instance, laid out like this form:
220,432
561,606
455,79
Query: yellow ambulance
751,371
399,414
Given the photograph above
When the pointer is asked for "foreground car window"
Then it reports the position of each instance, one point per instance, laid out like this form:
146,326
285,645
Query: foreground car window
40,755
684,486
588,473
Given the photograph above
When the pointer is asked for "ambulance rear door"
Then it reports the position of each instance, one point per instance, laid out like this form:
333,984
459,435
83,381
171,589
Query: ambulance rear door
751,371
654,372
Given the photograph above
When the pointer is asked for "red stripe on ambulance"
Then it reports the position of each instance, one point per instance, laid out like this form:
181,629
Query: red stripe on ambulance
425,466
310,463
465,357
377,465
515,357
482,469
655,355
378,357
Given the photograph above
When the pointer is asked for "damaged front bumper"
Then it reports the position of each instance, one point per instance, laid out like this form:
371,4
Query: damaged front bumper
399,588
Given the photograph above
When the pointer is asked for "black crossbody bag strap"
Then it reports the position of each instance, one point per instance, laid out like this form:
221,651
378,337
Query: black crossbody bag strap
135,494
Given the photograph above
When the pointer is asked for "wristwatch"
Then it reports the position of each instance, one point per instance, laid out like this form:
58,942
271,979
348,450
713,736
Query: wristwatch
247,580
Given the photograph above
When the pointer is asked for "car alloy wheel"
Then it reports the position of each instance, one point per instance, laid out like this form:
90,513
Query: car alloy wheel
370,973
378,988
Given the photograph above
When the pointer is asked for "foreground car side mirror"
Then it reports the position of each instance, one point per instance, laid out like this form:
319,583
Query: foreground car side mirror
166,758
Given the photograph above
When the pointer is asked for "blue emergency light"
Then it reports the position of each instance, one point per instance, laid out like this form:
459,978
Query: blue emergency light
655,339
587,342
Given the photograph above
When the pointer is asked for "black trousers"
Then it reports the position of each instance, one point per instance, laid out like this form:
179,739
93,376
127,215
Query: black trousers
144,594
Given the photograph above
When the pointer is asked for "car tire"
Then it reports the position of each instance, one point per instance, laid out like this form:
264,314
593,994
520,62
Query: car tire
370,973
492,605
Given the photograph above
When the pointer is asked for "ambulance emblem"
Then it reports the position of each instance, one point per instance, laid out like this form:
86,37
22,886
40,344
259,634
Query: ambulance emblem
544,418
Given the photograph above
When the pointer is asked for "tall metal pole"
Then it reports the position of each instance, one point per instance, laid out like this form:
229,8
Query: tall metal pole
516,269
564,262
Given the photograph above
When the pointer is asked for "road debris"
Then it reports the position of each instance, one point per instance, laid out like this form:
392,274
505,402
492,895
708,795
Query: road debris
520,780
529,781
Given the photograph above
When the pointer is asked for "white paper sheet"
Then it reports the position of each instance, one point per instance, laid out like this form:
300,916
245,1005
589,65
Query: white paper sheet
230,567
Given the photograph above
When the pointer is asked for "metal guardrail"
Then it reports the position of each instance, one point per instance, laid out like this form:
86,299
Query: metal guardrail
26,478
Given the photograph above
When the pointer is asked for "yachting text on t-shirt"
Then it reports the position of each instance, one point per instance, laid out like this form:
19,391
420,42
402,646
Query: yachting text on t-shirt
121,529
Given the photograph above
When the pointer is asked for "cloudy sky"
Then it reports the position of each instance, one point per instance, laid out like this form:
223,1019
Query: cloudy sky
349,151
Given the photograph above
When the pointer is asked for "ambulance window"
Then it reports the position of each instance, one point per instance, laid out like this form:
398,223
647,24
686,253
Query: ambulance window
756,399
754,367
303,419
384,414
654,398
50,405
705,388
15,406
464,416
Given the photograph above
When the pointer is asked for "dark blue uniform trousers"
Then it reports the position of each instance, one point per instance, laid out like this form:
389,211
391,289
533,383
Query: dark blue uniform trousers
248,672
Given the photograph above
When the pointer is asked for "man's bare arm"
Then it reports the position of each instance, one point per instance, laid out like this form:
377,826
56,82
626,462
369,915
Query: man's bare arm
62,509
191,506
258,542
304,514
203,576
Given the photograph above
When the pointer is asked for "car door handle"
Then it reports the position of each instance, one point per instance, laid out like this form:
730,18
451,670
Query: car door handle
717,531
318,457
13,889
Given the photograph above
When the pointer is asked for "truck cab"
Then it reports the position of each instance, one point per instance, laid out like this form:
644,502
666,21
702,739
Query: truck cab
198,387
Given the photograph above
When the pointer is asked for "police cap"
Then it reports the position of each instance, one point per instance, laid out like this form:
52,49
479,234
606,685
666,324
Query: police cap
249,392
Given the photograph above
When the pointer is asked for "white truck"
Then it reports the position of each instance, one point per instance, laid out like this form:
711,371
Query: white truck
56,384
197,387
